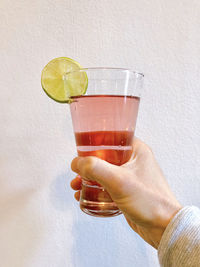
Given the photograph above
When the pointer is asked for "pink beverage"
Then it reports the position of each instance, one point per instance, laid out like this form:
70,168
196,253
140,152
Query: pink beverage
104,127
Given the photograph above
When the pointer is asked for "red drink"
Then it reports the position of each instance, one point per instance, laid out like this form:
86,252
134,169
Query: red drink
113,146
104,127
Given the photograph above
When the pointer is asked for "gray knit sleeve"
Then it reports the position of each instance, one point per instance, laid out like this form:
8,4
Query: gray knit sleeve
180,243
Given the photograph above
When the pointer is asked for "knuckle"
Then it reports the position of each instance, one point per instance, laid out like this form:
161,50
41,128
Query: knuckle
74,164
88,166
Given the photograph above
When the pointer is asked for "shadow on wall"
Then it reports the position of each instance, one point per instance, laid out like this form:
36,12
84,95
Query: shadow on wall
61,194
104,242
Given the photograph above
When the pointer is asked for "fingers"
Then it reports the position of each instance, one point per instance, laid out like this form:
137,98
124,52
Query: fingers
93,168
84,166
77,195
76,183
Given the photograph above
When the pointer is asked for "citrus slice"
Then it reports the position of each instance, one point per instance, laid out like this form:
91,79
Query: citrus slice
61,79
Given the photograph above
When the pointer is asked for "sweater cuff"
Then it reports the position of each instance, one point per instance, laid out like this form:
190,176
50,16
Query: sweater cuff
179,237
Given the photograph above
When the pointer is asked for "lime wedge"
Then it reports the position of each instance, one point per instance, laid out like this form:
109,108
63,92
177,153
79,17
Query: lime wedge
61,80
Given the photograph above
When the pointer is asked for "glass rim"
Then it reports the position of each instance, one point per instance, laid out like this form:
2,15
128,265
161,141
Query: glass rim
140,74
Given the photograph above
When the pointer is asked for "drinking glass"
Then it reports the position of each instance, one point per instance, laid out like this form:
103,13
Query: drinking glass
104,121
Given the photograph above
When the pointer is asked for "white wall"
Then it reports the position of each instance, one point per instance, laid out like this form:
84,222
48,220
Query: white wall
40,222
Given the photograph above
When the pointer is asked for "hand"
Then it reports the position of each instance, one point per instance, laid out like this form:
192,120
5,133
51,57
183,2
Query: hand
138,188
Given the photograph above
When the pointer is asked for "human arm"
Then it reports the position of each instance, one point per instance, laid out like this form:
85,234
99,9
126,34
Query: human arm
141,191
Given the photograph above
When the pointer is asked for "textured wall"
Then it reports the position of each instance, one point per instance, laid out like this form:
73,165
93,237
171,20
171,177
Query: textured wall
40,223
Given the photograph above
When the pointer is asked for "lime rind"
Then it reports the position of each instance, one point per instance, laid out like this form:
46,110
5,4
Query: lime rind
61,79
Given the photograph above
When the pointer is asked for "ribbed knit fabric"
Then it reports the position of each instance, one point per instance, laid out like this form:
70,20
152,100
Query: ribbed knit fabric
180,243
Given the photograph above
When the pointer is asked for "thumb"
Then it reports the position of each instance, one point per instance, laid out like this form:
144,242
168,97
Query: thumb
93,168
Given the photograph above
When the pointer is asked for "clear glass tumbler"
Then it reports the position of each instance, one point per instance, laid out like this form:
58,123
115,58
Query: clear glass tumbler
104,121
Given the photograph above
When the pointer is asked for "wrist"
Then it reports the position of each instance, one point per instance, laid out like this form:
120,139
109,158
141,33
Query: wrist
164,217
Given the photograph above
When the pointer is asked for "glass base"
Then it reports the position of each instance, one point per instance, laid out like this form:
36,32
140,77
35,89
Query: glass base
96,201
99,209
